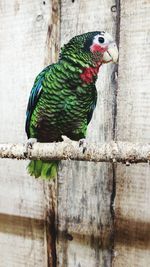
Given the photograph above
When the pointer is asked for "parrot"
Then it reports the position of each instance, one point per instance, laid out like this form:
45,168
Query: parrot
63,97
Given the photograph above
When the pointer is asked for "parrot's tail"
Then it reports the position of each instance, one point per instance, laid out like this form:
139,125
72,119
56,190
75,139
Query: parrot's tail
44,169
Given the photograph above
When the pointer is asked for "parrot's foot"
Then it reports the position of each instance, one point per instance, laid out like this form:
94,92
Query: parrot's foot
66,139
83,144
30,142
29,145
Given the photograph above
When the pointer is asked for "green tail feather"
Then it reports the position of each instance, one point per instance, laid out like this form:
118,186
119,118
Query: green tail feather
44,169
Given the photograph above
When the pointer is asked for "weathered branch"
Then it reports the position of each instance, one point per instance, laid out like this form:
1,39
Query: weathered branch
124,152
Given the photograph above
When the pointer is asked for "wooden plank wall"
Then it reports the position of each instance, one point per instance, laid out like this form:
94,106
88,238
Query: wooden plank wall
29,35
89,231
132,201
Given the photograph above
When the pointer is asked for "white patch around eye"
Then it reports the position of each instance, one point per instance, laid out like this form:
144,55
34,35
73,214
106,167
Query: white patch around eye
107,39
96,39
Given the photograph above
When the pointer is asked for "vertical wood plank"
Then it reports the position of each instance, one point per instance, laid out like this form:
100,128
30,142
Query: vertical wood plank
53,47
29,36
132,201
84,189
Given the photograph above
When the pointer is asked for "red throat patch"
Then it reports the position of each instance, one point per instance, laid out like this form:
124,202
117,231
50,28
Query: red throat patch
88,74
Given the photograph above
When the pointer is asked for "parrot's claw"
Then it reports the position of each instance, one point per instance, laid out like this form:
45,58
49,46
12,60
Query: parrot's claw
83,144
30,143
66,139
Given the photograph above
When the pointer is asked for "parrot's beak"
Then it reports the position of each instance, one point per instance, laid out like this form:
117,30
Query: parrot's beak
111,54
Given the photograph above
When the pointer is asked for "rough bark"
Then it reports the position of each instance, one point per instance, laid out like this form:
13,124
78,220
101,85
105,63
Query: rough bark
125,152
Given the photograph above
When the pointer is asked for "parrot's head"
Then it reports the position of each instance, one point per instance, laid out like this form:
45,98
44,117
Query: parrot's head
92,47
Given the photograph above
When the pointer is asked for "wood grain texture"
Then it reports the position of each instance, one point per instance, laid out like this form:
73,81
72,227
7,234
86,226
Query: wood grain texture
21,241
22,51
132,202
28,42
84,189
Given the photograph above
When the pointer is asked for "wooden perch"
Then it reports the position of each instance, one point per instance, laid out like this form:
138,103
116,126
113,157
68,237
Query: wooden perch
124,152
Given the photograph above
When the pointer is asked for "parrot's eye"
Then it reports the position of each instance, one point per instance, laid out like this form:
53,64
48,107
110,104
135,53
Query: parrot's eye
101,40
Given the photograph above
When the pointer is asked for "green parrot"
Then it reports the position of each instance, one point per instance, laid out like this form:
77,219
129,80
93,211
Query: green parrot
64,95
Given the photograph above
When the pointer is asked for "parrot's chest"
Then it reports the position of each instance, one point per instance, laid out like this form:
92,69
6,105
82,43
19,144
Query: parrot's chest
64,116
79,103
89,74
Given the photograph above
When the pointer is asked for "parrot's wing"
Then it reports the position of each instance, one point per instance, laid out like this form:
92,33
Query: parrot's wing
90,113
34,96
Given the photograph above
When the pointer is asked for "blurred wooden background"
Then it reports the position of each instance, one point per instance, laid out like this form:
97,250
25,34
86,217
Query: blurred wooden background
96,214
